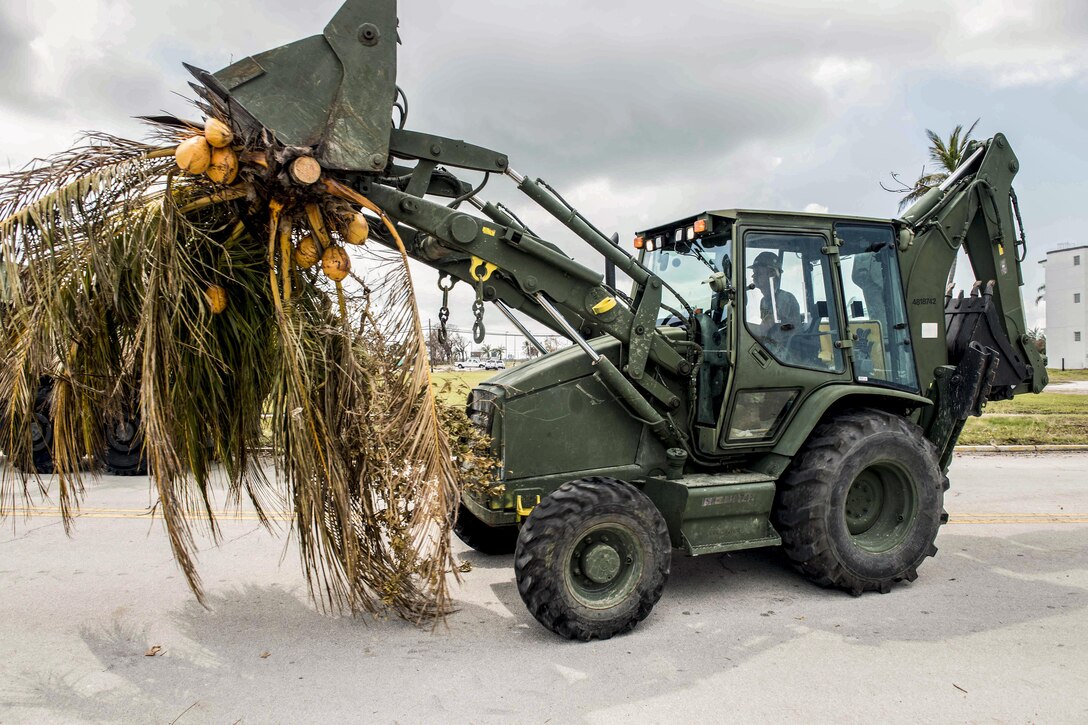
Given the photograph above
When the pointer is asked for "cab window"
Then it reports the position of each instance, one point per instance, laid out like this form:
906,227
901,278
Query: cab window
787,306
875,312
685,263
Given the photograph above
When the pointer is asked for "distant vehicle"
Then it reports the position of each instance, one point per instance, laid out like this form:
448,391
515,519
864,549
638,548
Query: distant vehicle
494,365
470,365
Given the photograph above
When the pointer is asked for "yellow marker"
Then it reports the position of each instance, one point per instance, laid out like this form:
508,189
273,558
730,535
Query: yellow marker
489,231
476,264
604,305
524,511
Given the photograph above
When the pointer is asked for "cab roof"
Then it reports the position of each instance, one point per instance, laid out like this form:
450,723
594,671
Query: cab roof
737,213
765,215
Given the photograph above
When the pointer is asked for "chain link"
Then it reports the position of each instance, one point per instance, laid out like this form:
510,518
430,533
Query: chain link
478,331
444,311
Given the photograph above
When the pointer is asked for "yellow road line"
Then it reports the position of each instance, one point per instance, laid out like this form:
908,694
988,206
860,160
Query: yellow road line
119,513
1019,518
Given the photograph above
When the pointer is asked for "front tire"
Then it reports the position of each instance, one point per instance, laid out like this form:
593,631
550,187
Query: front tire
592,559
860,507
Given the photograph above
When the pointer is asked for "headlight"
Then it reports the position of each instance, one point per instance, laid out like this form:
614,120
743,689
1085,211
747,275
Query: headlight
481,409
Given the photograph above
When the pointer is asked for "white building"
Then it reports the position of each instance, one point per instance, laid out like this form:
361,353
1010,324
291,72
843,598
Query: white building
1067,307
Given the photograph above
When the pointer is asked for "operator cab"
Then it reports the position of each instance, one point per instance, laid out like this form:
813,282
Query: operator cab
782,305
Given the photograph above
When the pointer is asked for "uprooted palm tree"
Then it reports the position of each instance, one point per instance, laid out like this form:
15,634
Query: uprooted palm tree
200,288
946,155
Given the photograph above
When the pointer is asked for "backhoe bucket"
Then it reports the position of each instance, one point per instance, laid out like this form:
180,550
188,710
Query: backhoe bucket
333,92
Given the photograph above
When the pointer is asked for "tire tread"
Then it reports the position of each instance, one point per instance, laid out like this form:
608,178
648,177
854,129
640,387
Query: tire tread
546,530
800,512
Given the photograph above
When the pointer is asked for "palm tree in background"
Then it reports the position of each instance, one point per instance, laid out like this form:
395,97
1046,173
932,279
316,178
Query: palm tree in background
946,155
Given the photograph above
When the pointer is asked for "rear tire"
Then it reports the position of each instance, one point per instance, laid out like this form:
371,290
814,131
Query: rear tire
592,559
490,540
860,507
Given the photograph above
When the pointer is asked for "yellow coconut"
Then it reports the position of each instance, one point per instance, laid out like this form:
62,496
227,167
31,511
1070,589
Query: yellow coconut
335,263
193,155
308,252
217,298
358,230
224,166
218,133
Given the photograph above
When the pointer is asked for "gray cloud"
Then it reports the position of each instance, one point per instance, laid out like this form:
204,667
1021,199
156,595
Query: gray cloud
17,82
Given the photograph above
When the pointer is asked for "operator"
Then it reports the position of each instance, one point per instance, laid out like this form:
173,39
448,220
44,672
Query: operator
779,312
868,274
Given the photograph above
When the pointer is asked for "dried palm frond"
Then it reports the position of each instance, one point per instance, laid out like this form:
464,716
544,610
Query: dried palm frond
109,252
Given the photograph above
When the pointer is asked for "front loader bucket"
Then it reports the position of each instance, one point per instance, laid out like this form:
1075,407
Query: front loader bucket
333,92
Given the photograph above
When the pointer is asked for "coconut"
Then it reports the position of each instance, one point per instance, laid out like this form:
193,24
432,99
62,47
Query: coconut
218,133
335,263
308,252
217,298
358,230
193,155
224,166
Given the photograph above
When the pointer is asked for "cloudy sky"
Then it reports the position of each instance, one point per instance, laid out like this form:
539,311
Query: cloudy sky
640,112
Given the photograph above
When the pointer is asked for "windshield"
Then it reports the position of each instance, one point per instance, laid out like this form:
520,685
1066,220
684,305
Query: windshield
686,266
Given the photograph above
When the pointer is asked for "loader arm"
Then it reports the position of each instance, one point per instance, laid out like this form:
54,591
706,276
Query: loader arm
529,274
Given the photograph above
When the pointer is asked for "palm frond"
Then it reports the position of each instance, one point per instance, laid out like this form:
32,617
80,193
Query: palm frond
108,251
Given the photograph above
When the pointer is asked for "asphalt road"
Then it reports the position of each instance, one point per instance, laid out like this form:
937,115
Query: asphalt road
996,628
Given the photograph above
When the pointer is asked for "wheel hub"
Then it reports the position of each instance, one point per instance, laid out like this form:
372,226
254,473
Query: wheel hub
121,435
601,563
880,507
39,427
864,503
37,434
604,565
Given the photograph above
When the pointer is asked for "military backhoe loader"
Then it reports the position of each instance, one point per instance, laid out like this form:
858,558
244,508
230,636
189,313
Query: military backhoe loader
768,379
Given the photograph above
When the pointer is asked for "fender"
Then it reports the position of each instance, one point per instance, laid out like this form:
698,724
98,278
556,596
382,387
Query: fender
815,407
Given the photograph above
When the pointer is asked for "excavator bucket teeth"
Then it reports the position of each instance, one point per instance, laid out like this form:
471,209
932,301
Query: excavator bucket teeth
333,92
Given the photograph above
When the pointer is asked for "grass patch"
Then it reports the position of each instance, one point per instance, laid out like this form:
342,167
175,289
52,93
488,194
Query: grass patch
1067,376
1050,429
1041,404
1044,419
453,387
